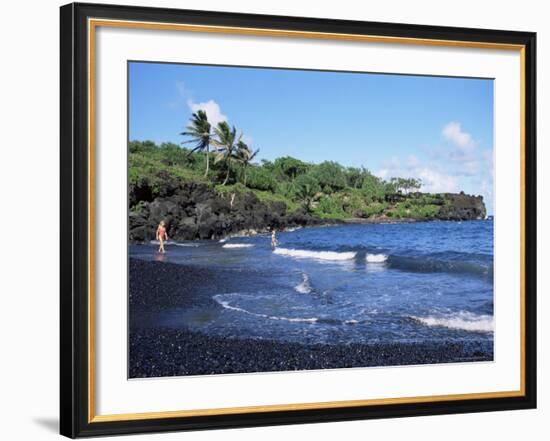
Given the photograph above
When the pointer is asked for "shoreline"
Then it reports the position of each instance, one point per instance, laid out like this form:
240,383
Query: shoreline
199,211
328,223
157,351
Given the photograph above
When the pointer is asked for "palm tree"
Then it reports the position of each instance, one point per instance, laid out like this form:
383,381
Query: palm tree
245,156
306,189
226,137
200,132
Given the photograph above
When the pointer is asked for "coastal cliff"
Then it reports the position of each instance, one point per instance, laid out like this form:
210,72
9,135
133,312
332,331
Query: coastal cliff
198,211
202,199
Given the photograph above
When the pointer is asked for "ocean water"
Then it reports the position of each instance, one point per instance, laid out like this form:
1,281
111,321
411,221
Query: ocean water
378,283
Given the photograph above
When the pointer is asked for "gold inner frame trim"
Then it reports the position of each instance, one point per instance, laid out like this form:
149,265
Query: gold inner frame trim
300,406
92,25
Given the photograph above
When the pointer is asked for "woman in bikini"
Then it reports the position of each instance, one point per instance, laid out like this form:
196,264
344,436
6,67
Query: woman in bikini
161,236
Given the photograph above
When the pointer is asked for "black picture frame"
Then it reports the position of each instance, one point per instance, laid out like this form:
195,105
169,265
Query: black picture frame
75,417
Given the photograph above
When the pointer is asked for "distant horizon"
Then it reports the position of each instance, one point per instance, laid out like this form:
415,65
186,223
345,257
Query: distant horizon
436,129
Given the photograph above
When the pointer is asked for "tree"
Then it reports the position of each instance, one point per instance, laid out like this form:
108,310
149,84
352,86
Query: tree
405,184
306,189
354,177
290,167
373,188
226,139
199,131
260,178
413,184
245,155
330,175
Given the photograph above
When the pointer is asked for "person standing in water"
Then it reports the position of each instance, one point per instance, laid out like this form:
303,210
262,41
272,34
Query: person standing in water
161,236
274,242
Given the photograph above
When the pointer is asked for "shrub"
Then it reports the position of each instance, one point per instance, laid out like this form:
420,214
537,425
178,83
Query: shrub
261,179
374,209
330,176
373,189
330,207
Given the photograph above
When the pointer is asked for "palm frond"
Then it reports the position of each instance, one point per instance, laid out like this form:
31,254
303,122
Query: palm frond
254,154
219,157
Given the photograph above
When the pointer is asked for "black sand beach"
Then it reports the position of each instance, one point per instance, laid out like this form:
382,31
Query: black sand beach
157,351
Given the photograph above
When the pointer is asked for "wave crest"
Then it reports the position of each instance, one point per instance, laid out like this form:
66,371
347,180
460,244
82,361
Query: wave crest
319,255
237,245
463,320
376,258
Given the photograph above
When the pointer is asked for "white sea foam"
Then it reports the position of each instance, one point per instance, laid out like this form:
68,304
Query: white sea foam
222,240
320,255
303,287
462,320
376,258
290,230
237,245
227,305
351,322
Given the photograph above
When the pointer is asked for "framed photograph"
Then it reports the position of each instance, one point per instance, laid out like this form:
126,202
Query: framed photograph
274,220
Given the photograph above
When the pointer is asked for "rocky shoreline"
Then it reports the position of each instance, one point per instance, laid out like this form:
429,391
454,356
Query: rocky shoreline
198,211
157,351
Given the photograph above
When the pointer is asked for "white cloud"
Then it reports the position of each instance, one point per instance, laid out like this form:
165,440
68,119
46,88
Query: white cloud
463,150
434,180
390,168
457,166
453,133
212,109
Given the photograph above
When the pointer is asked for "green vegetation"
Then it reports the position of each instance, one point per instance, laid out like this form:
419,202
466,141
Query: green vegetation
200,133
327,190
221,159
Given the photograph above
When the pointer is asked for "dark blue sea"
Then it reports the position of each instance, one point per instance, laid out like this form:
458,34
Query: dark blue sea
368,283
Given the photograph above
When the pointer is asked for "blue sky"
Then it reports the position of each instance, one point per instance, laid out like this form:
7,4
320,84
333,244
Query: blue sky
439,130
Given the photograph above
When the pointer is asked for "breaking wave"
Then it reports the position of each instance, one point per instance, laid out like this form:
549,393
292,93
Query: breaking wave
463,320
237,245
319,255
376,258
